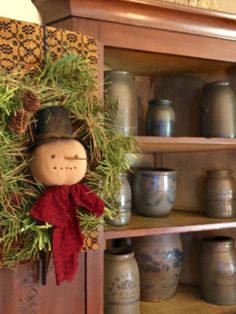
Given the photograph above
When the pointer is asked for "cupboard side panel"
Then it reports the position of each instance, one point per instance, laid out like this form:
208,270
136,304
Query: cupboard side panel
21,291
94,280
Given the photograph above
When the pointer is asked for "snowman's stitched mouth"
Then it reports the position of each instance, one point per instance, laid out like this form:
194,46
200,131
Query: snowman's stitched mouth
67,168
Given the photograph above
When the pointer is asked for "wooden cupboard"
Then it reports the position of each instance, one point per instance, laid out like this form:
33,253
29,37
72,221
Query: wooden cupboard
172,50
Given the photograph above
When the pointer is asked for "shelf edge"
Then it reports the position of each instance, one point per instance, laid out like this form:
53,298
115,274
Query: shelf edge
115,234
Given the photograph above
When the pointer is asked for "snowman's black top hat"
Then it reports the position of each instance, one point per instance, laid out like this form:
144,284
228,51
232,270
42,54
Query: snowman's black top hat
52,123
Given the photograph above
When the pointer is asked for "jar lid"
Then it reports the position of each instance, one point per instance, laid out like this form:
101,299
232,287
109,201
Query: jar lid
118,73
219,240
219,172
156,171
118,253
160,101
122,175
216,83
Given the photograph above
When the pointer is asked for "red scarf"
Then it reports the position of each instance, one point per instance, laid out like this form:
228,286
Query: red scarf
57,206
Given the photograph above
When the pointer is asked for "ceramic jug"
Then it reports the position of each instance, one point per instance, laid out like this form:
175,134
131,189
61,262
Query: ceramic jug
218,110
159,259
160,118
218,270
154,191
121,282
220,194
119,85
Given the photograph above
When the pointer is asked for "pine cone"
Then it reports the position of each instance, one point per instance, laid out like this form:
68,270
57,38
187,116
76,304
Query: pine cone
19,122
30,101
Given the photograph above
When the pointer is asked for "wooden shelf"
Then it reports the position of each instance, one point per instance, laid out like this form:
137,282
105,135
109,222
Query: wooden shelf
186,301
178,221
152,144
147,63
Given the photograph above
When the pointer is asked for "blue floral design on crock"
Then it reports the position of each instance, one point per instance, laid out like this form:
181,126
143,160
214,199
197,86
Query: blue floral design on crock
178,258
168,259
154,184
152,197
164,128
170,198
127,284
151,201
147,264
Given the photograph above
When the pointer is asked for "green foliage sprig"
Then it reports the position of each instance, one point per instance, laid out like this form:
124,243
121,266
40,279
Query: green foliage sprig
70,82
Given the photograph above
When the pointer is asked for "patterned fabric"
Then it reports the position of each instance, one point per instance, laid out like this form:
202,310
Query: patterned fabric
57,206
59,41
24,45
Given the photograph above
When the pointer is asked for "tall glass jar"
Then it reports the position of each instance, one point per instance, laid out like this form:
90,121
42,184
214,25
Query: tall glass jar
160,118
124,202
159,258
218,271
121,282
120,86
220,194
218,110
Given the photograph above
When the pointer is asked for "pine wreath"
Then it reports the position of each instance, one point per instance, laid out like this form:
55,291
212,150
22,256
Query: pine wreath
70,82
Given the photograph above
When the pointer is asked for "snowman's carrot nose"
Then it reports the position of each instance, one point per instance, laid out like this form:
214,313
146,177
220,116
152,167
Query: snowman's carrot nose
74,158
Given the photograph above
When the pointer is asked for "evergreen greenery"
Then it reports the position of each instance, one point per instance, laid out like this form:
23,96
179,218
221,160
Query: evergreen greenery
71,82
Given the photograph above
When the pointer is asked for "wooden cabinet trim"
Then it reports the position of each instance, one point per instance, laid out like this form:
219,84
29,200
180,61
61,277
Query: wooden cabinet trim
154,40
178,222
145,14
152,144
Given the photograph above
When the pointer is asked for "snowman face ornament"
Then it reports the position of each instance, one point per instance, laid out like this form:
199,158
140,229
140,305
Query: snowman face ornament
60,162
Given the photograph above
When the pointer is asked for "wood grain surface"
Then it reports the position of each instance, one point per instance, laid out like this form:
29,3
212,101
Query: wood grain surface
21,291
186,301
144,13
178,221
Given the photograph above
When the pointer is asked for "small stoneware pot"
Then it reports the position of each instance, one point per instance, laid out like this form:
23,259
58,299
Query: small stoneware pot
159,259
154,191
160,118
218,110
121,282
218,271
220,194
119,85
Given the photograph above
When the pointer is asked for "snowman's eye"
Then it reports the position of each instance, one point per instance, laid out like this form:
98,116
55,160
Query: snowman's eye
53,156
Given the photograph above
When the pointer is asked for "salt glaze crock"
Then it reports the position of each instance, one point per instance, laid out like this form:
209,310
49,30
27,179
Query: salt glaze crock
160,119
121,282
218,110
159,259
218,271
154,191
220,194
120,86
